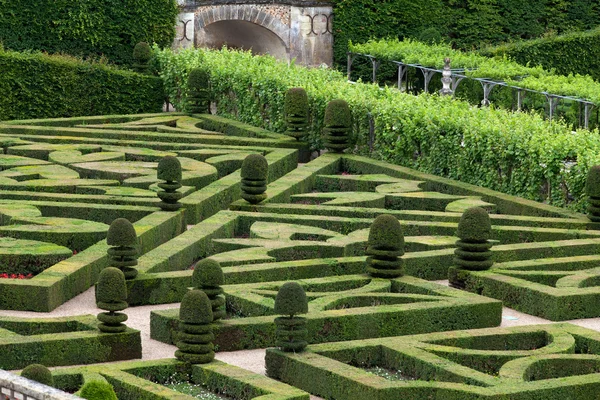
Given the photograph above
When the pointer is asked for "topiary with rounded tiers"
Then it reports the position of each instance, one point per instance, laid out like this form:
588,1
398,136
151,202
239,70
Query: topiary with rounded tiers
385,247
169,170
195,336
208,277
111,295
39,373
198,98
291,330
337,126
97,390
295,109
254,173
124,251
592,189
142,53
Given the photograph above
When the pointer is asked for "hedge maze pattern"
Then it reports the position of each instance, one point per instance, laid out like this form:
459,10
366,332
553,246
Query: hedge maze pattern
64,181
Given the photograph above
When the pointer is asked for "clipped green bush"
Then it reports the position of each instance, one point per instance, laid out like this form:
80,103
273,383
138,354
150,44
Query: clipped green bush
142,53
169,170
592,189
195,336
97,390
385,246
123,253
255,170
337,125
39,373
295,108
473,249
208,277
291,332
111,295
198,100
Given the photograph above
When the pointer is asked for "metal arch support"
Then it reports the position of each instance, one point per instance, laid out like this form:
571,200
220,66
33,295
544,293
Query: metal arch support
456,80
351,57
427,75
520,96
487,89
376,63
587,111
552,103
402,71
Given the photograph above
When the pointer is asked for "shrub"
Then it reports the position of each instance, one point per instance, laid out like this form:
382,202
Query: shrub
111,295
473,252
97,390
592,188
296,112
208,277
169,170
198,100
338,125
291,330
39,373
142,53
123,255
385,246
194,339
291,300
255,170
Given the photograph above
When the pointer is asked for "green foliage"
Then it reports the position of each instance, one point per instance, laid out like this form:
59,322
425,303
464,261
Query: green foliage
198,98
195,308
386,233
296,113
475,225
35,85
592,185
255,167
87,28
142,53
169,169
97,390
338,125
291,300
207,273
121,233
111,287
39,373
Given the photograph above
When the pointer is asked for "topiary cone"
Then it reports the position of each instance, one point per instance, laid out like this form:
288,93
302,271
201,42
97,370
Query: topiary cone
198,98
124,251
111,295
194,339
592,189
295,108
291,330
208,277
142,53
169,170
337,126
39,373
385,247
255,170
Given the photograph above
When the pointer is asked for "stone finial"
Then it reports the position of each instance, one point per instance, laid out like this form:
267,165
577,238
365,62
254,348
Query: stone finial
124,251
169,171
446,79
291,332
208,277
385,247
337,126
296,112
111,295
592,189
255,170
195,336
198,99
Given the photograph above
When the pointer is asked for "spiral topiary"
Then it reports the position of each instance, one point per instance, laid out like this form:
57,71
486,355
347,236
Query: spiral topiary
39,373
97,390
255,170
592,189
385,247
295,109
474,230
195,336
142,53
198,91
123,253
208,277
338,125
291,330
111,295
169,170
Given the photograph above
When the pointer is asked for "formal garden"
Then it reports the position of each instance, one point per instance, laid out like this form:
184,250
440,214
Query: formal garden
349,232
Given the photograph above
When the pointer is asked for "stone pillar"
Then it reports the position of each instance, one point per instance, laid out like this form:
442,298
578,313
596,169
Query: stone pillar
311,35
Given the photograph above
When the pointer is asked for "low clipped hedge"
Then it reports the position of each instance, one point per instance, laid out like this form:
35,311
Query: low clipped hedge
515,153
36,85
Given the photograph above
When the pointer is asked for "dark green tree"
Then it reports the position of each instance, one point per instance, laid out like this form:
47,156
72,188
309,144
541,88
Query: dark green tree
111,295
198,91
208,277
295,109
385,247
255,170
195,336
124,251
337,126
291,330
169,170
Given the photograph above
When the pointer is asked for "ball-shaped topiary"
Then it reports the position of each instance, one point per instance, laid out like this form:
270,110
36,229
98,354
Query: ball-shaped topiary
295,109
39,373
111,295
337,125
97,390
592,189
198,91
123,253
142,53
169,170
254,173
291,330
385,247
473,249
194,339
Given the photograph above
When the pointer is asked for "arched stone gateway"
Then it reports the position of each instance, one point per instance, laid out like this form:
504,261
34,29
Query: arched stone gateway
288,29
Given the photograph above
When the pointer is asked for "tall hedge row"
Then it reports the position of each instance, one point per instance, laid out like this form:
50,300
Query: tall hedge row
516,153
465,23
87,27
572,53
35,85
